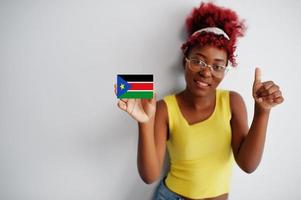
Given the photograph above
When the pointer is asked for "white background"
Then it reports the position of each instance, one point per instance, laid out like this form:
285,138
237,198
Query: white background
61,134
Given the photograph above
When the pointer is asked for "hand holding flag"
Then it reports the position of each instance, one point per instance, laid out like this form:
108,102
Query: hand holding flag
266,94
142,110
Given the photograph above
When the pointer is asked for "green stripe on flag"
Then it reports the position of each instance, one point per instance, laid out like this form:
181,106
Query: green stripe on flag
140,95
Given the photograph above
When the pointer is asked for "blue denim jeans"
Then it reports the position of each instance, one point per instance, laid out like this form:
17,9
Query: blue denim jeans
163,193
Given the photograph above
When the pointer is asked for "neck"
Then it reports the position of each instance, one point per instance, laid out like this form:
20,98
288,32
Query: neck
198,102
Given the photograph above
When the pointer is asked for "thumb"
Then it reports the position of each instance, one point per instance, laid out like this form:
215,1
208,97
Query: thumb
257,84
257,78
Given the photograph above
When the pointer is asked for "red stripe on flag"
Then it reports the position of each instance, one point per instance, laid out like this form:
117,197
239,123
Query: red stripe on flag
141,86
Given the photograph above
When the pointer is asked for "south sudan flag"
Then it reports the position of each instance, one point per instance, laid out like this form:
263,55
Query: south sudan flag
140,86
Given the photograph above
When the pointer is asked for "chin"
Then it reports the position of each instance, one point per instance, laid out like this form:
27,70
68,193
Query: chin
201,91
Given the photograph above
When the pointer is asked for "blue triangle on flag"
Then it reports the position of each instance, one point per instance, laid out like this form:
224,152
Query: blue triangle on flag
122,86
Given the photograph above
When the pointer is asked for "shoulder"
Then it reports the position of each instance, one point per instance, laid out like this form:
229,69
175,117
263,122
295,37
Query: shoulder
235,96
161,110
236,101
166,102
161,104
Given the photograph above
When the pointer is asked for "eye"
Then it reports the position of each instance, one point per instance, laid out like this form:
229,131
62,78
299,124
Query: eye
194,61
218,67
197,62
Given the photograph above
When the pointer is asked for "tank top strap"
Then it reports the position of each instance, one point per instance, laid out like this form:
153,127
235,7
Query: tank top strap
223,106
172,110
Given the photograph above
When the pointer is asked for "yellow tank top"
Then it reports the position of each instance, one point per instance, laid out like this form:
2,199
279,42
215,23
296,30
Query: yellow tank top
201,156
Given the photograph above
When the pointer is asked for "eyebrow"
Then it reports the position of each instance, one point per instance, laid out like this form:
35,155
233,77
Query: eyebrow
215,59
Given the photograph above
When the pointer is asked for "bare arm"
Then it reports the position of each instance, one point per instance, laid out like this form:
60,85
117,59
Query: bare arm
248,144
152,127
152,145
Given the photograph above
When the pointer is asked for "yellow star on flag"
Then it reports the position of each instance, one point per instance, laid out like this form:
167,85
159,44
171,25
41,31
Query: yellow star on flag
122,86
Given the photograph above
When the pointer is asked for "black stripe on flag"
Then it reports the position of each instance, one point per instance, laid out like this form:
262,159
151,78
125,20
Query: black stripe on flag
137,77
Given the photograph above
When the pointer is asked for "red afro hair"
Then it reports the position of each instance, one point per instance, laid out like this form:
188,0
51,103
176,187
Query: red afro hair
210,15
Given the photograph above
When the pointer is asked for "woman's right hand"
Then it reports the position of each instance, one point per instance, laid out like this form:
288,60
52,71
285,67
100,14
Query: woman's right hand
142,110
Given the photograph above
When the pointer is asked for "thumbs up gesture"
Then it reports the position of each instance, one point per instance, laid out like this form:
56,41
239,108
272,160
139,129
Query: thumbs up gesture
266,94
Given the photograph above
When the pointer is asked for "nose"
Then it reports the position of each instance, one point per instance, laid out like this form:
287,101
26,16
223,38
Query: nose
205,72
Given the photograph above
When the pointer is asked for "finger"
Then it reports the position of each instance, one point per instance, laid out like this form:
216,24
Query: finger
279,100
271,90
124,100
265,86
275,101
115,90
122,105
269,99
276,94
273,97
132,105
257,78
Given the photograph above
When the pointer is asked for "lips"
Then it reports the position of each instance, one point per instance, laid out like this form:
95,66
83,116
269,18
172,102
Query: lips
202,84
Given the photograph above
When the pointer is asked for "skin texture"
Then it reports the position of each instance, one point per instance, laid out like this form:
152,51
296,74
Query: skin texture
197,104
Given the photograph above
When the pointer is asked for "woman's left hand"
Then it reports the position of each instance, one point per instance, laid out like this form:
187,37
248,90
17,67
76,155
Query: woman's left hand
266,94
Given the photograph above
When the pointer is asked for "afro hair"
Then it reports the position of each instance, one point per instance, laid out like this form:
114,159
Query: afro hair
211,15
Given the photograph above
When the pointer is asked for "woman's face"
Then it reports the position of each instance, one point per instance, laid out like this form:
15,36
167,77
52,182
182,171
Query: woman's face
202,83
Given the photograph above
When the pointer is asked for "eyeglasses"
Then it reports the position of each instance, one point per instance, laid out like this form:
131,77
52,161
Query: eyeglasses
197,65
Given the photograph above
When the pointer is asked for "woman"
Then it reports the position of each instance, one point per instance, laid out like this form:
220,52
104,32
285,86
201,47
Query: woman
204,128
